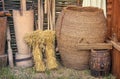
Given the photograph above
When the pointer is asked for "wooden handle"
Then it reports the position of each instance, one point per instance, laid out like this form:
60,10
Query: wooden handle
45,6
53,14
39,2
40,14
48,13
23,6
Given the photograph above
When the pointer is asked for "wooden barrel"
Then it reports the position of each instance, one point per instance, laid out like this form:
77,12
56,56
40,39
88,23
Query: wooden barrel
100,62
24,60
3,26
79,25
3,60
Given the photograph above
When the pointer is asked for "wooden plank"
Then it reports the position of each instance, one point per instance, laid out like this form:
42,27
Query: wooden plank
116,45
94,46
3,27
10,53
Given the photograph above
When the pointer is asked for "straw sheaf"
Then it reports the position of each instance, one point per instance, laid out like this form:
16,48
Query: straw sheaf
42,41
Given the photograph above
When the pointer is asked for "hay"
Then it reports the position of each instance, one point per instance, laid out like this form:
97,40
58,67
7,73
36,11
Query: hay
50,46
34,38
35,41
38,59
39,41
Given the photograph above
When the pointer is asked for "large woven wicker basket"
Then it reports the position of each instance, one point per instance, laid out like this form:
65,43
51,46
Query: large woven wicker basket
79,25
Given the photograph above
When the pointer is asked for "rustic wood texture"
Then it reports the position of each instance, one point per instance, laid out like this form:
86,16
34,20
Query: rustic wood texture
3,26
10,5
116,63
113,14
3,60
109,16
116,45
94,46
10,53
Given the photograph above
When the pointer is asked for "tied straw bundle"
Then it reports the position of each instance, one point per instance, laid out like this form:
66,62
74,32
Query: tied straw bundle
49,37
39,41
44,40
35,41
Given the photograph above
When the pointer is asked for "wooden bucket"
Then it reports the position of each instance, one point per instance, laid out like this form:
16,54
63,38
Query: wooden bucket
100,62
76,25
3,60
3,28
23,23
24,60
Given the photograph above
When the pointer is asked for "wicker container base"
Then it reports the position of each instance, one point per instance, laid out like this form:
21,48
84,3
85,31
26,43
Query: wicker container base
75,59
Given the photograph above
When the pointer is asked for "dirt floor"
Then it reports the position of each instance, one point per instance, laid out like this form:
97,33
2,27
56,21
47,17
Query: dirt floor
61,73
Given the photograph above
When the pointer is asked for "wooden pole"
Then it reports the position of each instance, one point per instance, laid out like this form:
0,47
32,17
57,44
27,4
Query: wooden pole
48,13
45,6
40,14
50,10
10,54
53,14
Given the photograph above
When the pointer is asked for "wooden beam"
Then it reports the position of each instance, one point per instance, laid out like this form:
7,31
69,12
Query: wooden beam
116,45
94,46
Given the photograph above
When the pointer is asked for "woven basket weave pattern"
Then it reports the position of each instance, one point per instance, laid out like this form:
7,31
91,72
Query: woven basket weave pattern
79,25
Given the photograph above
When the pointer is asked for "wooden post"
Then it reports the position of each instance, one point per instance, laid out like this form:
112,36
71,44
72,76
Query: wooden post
40,14
53,14
48,13
10,54
113,19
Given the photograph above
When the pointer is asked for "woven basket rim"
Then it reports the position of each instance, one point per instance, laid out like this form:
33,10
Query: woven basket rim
88,9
